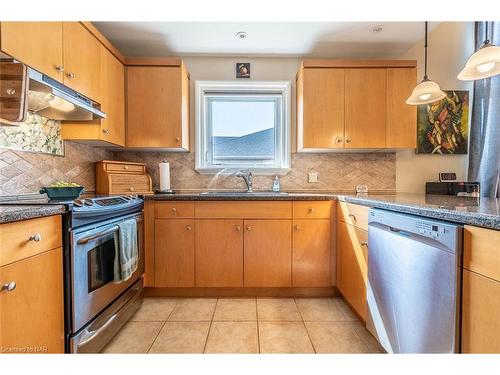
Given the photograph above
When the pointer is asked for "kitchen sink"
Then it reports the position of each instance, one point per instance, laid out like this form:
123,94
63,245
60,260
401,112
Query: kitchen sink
244,193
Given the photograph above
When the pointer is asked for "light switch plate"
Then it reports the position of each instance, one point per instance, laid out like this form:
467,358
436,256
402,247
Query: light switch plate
312,177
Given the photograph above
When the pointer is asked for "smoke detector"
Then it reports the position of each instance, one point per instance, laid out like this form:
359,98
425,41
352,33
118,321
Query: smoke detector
241,35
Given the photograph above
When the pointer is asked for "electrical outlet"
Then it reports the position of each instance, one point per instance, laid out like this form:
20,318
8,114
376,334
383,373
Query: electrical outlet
312,177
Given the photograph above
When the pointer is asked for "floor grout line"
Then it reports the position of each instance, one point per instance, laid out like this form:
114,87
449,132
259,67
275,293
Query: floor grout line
163,325
210,327
305,327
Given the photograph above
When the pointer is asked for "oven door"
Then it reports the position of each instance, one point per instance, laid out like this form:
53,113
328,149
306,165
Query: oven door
92,264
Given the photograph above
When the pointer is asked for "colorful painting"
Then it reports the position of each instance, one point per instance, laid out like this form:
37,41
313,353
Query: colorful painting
442,127
242,70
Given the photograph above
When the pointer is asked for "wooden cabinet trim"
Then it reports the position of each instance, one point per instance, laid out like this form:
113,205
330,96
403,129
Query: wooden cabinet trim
312,209
245,210
174,210
481,253
331,63
353,214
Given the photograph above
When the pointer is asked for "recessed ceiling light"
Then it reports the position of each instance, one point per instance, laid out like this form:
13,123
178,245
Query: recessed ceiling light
241,35
378,28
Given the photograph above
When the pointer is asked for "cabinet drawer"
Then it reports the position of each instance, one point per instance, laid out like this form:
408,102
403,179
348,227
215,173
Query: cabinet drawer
172,210
125,168
312,210
481,253
26,238
247,210
353,214
128,183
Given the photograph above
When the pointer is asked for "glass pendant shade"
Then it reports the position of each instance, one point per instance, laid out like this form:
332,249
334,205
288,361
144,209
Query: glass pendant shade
484,63
425,92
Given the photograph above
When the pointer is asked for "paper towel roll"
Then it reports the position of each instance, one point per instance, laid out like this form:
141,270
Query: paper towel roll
164,176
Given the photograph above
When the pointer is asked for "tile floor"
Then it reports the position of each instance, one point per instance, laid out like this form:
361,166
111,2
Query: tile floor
243,325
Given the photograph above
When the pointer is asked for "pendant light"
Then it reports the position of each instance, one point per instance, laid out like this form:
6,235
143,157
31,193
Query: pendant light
484,63
426,91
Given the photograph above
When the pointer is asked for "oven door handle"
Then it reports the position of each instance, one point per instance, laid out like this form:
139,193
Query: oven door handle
94,236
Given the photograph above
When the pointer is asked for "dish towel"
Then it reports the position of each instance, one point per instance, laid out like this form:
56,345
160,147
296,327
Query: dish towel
126,250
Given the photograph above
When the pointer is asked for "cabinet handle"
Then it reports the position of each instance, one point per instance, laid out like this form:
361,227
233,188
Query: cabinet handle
10,91
70,75
174,209
339,140
310,210
249,228
297,227
125,167
59,68
177,139
348,140
36,237
238,228
189,227
106,131
9,287
131,189
352,216
364,243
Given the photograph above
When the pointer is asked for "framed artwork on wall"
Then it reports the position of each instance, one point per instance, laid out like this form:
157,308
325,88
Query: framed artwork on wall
242,70
443,126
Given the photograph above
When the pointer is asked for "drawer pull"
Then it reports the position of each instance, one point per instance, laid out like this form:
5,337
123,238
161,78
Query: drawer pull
131,189
125,167
364,243
36,237
249,228
59,68
238,228
177,139
348,140
189,227
352,216
106,131
70,75
174,209
9,287
297,227
310,210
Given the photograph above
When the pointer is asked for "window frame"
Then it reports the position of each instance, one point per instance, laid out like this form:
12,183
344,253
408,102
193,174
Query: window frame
208,90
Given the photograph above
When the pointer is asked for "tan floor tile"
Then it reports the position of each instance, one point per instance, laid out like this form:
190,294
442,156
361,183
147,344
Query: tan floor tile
193,310
346,310
319,310
154,309
134,337
181,337
232,337
235,309
335,337
284,337
371,342
277,309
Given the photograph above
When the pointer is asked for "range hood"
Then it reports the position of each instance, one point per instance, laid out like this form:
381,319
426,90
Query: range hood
25,90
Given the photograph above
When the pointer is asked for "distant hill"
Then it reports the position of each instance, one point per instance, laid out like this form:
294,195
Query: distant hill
260,143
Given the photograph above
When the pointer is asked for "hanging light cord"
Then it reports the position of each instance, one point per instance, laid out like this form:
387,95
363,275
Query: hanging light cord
425,54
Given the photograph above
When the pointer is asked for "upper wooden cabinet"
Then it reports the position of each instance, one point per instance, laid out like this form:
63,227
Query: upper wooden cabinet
110,130
158,107
82,67
355,104
37,44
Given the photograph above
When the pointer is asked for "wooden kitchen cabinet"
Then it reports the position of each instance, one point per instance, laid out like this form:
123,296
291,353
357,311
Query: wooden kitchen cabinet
82,60
174,253
110,130
158,107
352,258
311,252
219,253
268,253
37,44
320,108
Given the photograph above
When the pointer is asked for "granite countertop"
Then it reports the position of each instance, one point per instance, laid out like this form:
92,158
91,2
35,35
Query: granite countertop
9,213
483,212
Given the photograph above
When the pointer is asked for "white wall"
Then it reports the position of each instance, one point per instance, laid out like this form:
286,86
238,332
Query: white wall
450,45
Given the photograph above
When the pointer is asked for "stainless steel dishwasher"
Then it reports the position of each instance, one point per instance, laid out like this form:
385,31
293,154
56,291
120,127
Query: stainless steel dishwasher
414,279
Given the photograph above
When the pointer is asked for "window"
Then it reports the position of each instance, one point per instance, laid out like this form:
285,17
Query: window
242,126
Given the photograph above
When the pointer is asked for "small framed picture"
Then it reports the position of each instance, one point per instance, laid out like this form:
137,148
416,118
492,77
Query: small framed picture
242,70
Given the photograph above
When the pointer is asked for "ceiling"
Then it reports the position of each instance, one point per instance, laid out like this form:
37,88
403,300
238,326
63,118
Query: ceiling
287,39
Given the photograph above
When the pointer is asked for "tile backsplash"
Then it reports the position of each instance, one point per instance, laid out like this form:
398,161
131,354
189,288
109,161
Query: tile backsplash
24,172
337,172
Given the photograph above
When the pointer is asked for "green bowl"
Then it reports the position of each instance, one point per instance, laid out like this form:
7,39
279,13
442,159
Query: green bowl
62,192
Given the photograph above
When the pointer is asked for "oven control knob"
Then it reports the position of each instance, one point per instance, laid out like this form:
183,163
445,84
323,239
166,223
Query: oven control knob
78,202
88,202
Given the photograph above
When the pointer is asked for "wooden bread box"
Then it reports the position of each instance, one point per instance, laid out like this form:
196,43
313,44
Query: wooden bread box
119,177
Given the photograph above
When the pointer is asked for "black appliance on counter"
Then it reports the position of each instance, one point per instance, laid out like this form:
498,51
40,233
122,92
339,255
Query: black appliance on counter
458,188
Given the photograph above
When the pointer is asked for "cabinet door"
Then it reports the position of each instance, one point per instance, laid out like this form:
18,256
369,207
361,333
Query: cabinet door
219,253
353,265
311,253
174,253
401,126
268,253
365,99
32,315
82,67
480,314
320,108
156,99
37,44
112,98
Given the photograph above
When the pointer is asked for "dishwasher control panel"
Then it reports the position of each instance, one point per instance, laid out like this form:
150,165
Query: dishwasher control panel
430,229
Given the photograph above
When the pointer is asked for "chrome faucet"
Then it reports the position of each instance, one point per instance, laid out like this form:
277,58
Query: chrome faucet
248,180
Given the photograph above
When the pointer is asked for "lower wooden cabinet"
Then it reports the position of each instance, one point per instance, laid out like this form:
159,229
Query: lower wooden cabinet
352,265
219,253
32,314
174,253
268,253
480,314
311,253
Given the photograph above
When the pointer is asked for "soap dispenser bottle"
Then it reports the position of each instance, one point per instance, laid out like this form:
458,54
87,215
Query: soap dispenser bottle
276,184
